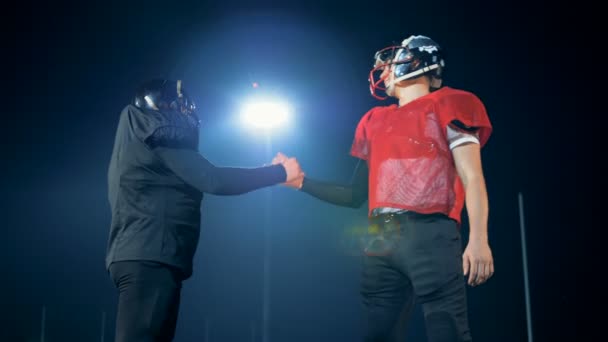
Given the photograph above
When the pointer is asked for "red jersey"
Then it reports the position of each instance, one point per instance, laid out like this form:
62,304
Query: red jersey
411,165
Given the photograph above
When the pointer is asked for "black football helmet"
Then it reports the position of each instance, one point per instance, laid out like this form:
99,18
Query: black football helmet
416,56
164,96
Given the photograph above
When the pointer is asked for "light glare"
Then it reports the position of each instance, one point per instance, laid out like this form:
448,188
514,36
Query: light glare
265,114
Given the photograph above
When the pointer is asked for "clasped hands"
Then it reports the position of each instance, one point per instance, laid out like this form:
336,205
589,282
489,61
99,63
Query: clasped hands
295,175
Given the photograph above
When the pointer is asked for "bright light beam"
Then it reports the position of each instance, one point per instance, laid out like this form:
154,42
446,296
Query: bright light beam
265,114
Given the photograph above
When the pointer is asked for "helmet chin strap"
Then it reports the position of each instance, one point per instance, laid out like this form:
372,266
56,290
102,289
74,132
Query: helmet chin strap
414,74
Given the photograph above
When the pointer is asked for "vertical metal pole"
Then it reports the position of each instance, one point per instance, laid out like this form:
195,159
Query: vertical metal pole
43,324
207,330
266,294
525,262
103,326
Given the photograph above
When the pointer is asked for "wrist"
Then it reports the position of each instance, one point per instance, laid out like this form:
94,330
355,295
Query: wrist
281,170
478,237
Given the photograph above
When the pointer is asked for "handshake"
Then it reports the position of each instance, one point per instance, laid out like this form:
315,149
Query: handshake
295,175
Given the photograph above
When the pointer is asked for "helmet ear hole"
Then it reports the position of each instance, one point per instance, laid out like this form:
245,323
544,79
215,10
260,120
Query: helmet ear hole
415,64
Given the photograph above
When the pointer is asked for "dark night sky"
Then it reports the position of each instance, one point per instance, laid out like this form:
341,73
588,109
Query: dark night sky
75,67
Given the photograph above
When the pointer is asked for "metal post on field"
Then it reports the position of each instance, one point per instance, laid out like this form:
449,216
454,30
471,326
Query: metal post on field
525,265
253,331
266,293
103,326
263,113
43,324
207,330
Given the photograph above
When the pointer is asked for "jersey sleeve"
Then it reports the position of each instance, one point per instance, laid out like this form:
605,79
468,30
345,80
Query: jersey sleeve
465,112
360,147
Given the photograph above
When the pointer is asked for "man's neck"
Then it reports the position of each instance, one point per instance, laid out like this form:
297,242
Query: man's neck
411,92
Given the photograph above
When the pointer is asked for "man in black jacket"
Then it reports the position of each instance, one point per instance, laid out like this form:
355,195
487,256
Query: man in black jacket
156,182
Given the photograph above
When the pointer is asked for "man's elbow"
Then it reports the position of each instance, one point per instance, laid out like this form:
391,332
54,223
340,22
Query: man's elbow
472,179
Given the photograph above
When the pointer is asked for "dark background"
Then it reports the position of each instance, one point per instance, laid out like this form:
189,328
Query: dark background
73,66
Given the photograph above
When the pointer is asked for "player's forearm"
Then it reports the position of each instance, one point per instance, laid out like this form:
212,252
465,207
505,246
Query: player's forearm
342,195
477,208
195,170
235,181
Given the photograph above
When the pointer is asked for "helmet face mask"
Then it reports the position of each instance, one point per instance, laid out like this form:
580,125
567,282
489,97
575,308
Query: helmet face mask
416,56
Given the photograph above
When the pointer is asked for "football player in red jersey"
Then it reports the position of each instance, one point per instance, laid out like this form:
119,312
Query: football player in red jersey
420,164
